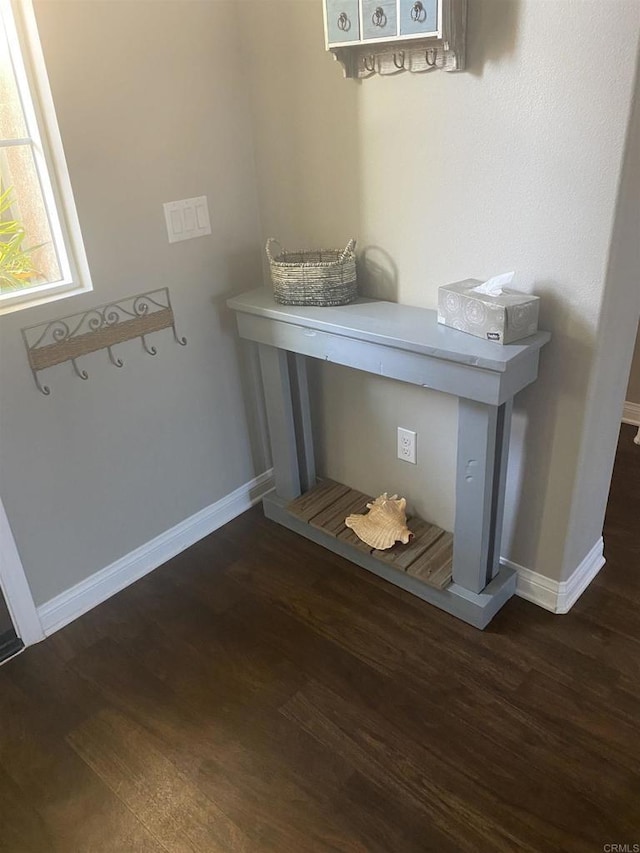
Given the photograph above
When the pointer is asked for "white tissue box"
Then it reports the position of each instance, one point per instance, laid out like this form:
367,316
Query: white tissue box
504,318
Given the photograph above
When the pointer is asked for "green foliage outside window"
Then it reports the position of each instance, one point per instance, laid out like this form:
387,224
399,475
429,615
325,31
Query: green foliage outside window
16,264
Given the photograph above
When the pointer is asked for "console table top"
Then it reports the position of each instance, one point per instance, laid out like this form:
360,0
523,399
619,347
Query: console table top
389,324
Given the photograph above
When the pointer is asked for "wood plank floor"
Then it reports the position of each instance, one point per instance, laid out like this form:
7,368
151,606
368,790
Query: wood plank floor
259,694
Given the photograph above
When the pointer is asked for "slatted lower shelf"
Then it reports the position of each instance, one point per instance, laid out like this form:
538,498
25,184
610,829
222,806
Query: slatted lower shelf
427,558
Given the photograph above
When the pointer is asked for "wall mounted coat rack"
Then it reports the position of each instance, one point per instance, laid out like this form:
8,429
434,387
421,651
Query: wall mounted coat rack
390,36
99,328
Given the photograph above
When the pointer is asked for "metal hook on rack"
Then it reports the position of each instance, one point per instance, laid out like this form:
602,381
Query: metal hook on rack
44,389
434,52
180,340
148,349
117,362
400,65
81,373
371,59
69,338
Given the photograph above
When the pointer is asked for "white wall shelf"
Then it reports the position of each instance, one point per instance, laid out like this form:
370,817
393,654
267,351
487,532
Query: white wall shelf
390,36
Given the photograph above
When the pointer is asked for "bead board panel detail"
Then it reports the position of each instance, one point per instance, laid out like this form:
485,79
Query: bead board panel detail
427,558
67,338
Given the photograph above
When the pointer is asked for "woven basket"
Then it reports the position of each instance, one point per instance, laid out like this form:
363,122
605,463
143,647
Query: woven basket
321,277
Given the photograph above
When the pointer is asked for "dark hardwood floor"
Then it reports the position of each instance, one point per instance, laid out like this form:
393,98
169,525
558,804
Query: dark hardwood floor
259,694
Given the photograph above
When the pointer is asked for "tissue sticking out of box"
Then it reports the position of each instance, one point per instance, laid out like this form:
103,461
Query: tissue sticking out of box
495,286
488,311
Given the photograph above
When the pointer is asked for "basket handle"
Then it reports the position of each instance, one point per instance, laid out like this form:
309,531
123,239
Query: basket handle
348,249
270,242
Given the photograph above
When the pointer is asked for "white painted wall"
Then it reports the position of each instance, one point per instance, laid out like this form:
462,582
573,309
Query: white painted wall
610,365
513,164
151,105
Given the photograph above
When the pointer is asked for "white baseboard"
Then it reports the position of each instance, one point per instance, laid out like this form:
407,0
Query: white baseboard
16,589
631,414
87,594
558,596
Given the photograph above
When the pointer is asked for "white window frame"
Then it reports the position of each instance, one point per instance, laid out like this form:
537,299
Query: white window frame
15,587
42,125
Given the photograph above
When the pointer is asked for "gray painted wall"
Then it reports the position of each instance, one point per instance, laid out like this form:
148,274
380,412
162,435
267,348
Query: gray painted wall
513,164
151,106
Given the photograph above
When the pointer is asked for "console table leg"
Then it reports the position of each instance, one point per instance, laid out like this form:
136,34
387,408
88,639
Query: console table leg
483,447
503,442
277,392
302,419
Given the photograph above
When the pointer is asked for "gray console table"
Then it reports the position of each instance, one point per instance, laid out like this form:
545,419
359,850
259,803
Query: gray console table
404,343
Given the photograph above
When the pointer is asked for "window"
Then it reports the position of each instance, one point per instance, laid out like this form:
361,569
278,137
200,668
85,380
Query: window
41,252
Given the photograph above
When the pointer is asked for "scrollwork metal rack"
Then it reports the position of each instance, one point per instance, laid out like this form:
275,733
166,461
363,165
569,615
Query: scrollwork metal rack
68,338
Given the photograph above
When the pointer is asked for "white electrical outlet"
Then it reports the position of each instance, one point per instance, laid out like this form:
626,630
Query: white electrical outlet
407,445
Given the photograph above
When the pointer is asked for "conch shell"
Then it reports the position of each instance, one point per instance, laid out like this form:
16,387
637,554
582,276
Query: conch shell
384,524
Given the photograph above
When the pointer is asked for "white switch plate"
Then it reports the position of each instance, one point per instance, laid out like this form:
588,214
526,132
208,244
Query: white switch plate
407,445
187,218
